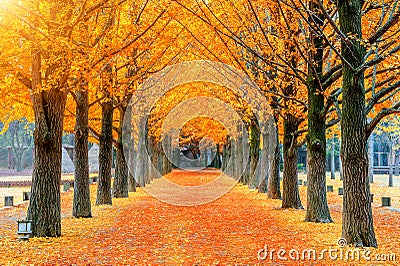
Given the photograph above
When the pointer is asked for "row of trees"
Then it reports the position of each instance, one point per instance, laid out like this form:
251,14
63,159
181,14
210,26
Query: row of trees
318,64
337,62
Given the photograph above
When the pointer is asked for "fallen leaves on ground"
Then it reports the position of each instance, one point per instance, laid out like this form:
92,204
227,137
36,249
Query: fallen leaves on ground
142,230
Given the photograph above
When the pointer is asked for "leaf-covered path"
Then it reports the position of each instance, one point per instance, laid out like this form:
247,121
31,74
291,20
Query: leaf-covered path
143,230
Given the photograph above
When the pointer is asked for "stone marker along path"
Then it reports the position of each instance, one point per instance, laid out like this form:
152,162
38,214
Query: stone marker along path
143,230
15,185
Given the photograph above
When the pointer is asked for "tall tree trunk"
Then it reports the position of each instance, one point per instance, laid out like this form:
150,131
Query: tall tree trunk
159,160
246,165
105,154
120,185
165,155
333,157
141,155
264,165
239,159
317,205
169,151
274,191
140,167
254,153
129,148
146,173
216,163
226,157
132,166
233,158
81,204
291,196
340,164
147,159
156,156
357,225
44,206
245,179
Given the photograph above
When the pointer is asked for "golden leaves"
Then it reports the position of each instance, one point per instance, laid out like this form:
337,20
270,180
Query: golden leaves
141,230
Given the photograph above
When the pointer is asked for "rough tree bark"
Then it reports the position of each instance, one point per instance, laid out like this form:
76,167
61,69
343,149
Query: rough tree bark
169,151
129,146
105,154
147,162
44,206
226,157
264,165
120,185
291,196
340,165
141,154
156,156
156,166
132,166
254,153
232,162
81,203
274,191
239,158
248,177
166,164
216,163
357,225
333,158
317,205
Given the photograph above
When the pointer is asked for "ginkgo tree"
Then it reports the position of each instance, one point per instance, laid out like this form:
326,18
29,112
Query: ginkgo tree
188,93
130,60
368,35
317,63
273,63
317,47
43,31
48,52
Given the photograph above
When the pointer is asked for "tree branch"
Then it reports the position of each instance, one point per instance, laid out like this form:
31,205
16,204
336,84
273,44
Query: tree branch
380,95
383,113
